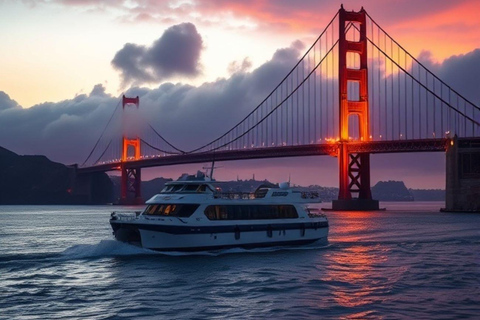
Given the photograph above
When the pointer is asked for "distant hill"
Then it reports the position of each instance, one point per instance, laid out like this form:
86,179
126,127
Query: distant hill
391,191
37,180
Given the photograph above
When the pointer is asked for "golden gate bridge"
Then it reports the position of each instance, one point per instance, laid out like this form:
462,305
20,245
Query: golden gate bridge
354,92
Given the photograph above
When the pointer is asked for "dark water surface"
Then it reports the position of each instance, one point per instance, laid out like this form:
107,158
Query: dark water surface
407,262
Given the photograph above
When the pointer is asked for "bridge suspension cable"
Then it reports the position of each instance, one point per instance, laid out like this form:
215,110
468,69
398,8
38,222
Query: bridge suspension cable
256,116
103,153
408,101
416,60
264,118
428,89
101,135
158,149
164,140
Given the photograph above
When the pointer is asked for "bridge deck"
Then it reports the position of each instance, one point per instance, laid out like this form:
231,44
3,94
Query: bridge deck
423,145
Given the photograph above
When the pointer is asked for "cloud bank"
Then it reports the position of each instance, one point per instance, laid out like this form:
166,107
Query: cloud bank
190,116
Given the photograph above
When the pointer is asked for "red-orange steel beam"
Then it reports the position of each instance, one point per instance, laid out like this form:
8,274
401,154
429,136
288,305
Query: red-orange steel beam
131,177
354,172
126,101
135,143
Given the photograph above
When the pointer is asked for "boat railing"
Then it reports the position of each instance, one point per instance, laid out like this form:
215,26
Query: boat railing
234,195
305,195
315,213
308,194
124,215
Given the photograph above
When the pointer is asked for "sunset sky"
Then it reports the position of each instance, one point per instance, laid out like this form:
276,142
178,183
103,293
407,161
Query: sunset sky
59,56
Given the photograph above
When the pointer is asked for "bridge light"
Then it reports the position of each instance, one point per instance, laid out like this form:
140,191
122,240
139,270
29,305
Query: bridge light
451,142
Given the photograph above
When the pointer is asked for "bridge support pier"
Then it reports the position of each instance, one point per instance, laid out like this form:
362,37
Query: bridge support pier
354,178
131,186
463,175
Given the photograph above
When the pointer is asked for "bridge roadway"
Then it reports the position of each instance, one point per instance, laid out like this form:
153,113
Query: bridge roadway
423,145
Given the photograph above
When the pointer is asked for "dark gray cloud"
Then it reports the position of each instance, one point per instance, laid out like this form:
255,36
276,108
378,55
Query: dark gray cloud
6,102
461,72
175,53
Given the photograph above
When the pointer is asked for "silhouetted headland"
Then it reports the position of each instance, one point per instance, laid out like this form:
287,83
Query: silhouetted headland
37,180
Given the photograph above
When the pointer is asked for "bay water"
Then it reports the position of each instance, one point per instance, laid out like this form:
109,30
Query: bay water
408,262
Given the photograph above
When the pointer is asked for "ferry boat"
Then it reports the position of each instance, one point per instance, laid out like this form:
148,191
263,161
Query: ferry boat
194,215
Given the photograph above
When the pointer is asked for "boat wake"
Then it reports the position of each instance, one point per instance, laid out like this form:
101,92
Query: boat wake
313,246
113,248
105,248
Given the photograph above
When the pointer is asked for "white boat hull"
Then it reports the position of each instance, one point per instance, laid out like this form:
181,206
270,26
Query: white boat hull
201,238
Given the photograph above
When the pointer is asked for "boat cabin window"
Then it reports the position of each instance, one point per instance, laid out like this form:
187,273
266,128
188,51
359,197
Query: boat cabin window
172,188
166,189
250,212
191,187
172,210
176,187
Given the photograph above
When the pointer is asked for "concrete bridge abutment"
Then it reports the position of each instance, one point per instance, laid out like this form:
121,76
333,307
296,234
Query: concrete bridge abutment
463,175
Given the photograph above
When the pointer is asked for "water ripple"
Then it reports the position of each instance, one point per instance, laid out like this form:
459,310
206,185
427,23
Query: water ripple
380,265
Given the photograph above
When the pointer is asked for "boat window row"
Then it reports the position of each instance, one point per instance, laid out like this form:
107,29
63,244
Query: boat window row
172,210
250,212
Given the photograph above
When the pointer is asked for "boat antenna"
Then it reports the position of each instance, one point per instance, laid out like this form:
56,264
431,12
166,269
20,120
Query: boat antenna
211,169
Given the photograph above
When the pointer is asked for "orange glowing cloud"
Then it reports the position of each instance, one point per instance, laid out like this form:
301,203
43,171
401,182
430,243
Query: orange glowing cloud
444,33
446,28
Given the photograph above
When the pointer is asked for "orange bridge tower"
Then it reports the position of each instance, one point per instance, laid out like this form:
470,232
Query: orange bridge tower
354,168
131,177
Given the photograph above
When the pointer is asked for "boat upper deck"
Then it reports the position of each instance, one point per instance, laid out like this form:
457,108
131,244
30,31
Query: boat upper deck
202,191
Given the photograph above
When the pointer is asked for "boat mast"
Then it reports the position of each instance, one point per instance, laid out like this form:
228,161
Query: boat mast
211,169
